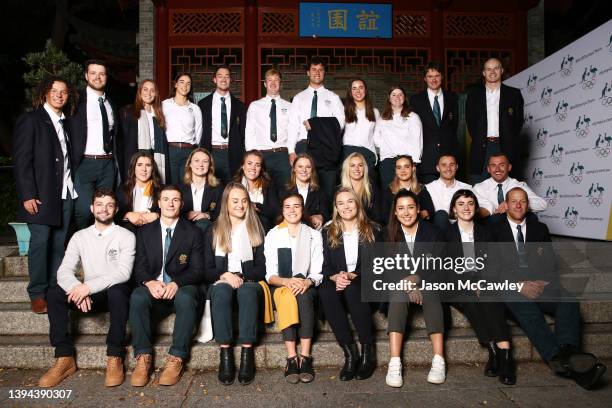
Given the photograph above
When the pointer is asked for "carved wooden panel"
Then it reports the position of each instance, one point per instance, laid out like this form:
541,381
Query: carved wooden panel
210,22
410,24
473,25
278,22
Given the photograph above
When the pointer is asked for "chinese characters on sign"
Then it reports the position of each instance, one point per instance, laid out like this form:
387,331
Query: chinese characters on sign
345,20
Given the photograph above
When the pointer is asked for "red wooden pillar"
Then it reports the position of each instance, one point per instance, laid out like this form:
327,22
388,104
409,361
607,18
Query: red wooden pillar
250,67
162,50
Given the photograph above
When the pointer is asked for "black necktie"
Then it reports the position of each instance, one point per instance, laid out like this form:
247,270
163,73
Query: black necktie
520,246
436,111
106,139
223,118
167,243
313,106
63,129
273,121
500,194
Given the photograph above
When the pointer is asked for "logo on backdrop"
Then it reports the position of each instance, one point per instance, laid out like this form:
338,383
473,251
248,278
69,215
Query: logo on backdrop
556,154
602,145
531,83
527,119
610,44
582,126
567,66
537,176
575,173
606,95
541,137
561,111
589,75
546,96
571,217
595,194
551,195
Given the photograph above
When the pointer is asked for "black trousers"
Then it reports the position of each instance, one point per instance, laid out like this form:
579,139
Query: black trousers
488,319
114,300
337,316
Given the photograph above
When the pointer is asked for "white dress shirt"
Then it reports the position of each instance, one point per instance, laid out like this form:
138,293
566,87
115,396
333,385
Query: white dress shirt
492,111
351,249
303,191
95,138
257,128
183,122
160,277
234,262
141,203
67,184
431,95
410,239
469,252
328,105
486,192
513,226
441,195
217,139
197,193
361,132
400,135
150,116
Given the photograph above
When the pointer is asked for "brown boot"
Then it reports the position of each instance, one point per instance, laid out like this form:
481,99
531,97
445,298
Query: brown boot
172,371
114,371
64,367
142,371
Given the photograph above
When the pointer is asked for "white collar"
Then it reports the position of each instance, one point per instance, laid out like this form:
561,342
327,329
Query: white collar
54,116
93,94
514,224
105,232
172,226
319,89
433,93
218,96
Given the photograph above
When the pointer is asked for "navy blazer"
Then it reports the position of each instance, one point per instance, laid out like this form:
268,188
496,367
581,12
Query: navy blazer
334,260
184,262
38,166
211,200
424,198
317,203
237,122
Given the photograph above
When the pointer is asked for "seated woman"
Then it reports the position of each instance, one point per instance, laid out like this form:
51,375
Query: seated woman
294,257
253,176
466,239
354,175
304,180
235,261
419,239
136,198
343,239
406,178
201,189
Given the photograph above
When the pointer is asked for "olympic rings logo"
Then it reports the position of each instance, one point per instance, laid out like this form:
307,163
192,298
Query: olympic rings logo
606,101
575,178
541,142
602,152
546,101
570,223
551,201
536,182
560,117
556,160
582,133
565,72
531,88
595,201
588,84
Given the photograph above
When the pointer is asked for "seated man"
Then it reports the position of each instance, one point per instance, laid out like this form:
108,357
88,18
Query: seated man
491,193
532,264
442,189
106,252
168,271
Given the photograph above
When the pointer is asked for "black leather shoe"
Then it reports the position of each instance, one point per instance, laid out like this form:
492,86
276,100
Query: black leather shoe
590,378
491,367
306,369
367,362
292,370
569,359
505,364
247,366
227,369
351,360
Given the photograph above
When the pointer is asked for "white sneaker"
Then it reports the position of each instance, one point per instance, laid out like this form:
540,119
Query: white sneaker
437,374
394,373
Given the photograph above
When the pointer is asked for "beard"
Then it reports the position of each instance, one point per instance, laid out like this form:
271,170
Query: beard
108,221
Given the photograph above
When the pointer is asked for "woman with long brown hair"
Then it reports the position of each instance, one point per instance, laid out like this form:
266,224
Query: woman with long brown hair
144,129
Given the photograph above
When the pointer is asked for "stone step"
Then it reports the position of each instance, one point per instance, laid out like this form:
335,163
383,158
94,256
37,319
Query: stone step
461,347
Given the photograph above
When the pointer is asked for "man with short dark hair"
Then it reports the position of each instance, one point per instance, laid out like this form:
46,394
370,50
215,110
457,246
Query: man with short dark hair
223,122
439,114
106,252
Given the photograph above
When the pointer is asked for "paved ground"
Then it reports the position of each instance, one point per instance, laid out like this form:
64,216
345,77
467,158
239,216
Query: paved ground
465,387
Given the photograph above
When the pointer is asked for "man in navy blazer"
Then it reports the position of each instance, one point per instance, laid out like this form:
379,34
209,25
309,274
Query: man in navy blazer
494,118
168,269
42,165
532,263
94,129
223,123
439,114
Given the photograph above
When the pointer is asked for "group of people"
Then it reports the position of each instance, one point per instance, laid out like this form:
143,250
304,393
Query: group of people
269,209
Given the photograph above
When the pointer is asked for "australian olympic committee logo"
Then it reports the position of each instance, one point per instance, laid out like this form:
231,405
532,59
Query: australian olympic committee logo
556,154
602,145
537,176
551,195
541,137
567,66
606,95
595,195
589,77
561,110
582,126
527,119
570,217
546,96
610,44
575,173
531,83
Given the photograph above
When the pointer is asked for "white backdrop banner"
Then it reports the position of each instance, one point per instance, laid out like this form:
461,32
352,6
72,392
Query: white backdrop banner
568,118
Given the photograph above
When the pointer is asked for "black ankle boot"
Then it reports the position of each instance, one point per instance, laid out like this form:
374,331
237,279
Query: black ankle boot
227,369
505,364
367,362
491,368
292,370
351,359
247,366
306,369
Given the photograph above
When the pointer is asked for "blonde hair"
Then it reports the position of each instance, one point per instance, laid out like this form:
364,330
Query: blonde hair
336,225
365,192
211,180
314,178
222,228
415,186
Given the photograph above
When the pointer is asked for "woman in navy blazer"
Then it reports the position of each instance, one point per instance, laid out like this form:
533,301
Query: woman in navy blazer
355,175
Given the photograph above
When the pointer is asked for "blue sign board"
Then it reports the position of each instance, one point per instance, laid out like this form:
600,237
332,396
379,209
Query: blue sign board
356,20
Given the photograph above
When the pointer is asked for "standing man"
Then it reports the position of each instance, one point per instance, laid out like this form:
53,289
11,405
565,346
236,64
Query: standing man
94,132
169,268
106,252
439,114
43,174
494,118
223,122
314,101
267,129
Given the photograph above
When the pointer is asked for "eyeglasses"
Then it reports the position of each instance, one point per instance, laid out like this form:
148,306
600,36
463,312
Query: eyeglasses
58,92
